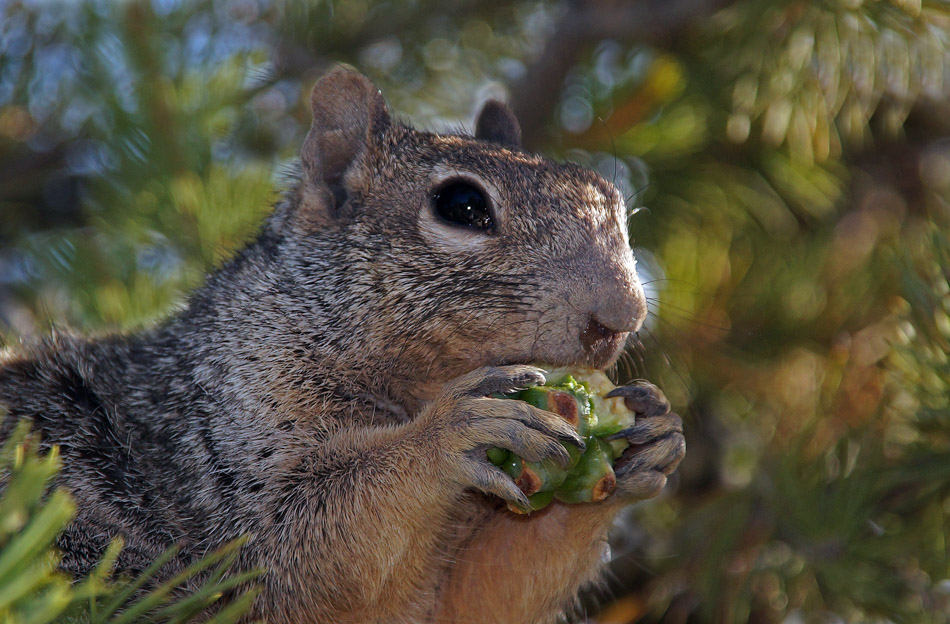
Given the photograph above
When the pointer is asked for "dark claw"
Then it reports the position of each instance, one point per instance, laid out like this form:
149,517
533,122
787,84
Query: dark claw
632,392
576,440
642,398
625,434
631,462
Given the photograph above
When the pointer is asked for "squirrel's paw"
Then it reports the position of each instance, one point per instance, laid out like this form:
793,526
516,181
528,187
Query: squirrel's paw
463,422
657,445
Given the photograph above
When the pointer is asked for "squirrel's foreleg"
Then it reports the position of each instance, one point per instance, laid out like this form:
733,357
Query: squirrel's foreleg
361,519
355,529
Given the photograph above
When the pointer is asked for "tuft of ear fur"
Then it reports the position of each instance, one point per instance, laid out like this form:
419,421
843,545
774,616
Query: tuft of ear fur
496,123
348,114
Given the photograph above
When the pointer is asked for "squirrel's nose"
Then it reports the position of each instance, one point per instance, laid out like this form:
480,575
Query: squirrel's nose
621,305
616,313
607,295
620,309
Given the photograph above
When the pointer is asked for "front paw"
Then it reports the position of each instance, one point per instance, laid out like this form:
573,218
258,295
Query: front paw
657,445
465,421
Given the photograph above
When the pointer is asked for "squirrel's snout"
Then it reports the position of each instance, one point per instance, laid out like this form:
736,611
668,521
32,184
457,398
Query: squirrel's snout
620,304
617,308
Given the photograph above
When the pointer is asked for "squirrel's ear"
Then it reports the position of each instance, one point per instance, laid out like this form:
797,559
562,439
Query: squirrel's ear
498,124
348,112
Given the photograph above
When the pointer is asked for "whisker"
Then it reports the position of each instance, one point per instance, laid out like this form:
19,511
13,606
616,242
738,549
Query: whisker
667,359
685,315
638,353
670,279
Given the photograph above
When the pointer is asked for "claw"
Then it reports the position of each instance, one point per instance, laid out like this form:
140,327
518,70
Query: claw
642,398
630,392
624,434
501,379
574,439
492,480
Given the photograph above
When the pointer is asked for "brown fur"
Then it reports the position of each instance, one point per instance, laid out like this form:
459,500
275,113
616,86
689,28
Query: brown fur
328,390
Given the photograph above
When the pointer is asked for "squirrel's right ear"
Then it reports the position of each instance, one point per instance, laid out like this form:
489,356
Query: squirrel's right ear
348,112
498,124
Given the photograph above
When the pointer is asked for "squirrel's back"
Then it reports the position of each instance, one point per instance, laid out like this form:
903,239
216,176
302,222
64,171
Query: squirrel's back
137,454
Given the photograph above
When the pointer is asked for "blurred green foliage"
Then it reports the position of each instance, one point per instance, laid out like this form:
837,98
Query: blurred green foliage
787,165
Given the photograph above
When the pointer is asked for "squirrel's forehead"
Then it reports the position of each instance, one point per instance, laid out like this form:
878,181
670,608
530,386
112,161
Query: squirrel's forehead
463,150
522,172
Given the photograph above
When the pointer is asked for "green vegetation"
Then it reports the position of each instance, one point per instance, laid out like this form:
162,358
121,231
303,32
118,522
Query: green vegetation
589,476
33,591
788,171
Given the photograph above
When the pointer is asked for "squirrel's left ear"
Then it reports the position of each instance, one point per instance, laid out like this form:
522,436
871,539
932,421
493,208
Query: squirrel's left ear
348,115
496,123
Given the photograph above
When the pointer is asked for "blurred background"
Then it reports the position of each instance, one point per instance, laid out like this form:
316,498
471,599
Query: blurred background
787,164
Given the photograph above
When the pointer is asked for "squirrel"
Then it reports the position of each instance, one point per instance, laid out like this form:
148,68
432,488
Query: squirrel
329,390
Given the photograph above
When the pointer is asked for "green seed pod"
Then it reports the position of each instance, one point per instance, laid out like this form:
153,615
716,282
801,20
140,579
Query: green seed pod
612,416
571,405
578,398
617,447
536,502
593,478
534,477
497,456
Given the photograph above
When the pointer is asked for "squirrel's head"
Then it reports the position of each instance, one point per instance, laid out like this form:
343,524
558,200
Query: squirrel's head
461,251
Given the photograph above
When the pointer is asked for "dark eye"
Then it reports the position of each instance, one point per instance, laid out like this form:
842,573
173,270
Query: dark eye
463,204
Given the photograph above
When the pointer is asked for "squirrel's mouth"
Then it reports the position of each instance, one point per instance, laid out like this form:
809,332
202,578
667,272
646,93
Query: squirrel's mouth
602,345
599,347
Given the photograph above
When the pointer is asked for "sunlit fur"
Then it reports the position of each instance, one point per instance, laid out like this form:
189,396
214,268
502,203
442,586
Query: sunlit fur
299,396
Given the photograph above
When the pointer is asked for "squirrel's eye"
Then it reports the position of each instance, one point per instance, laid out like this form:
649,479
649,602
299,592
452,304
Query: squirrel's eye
463,204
